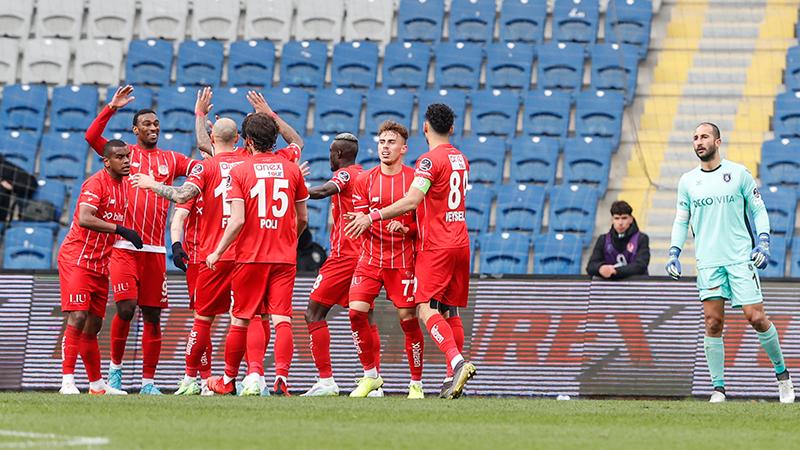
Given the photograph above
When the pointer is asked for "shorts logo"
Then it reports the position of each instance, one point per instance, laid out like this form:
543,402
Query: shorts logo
343,176
726,177
120,287
164,290
78,299
425,164
356,281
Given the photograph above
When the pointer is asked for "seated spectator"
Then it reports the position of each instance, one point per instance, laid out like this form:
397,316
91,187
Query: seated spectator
623,251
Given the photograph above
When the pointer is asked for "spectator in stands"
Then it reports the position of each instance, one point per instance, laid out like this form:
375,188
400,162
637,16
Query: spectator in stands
13,181
623,251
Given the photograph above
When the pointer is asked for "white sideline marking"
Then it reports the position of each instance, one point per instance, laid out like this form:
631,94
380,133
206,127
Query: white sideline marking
49,440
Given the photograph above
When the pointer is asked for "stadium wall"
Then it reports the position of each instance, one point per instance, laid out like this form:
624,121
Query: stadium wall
528,336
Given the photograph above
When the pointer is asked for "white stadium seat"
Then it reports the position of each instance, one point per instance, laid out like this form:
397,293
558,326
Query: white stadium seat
98,61
268,19
319,20
15,18
111,20
215,19
45,61
164,19
368,20
59,19
9,56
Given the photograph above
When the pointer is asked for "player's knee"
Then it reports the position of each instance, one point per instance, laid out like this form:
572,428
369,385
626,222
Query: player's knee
77,319
714,325
152,315
406,314
94,324
126,309
759,321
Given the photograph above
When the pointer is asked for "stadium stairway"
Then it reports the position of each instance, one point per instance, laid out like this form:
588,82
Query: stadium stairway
718,61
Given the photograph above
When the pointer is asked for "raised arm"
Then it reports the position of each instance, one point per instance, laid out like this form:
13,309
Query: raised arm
289,134
201,109
94,135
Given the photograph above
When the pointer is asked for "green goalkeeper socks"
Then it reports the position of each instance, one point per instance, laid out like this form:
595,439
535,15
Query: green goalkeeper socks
771,344
715,357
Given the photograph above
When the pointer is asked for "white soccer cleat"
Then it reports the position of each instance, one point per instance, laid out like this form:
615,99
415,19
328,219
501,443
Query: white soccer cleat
107,390
377,393
717,397
69,389
786,390
323,388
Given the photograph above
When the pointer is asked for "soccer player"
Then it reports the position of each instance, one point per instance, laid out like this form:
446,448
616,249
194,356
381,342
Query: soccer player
442,263
138,276
333,282
386,261
268,212
83,266
715,197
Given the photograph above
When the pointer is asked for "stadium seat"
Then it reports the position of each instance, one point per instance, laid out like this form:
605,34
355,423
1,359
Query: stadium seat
176,109
572,210
199,63
23,108
291,104
317,154
417,145
180,142
251,64
58,19
575,21
9,60
478,202
111,20
506,253
494,112
628,22
792,73
337,111
53,192
28,247
19,148
368,20
388,104
98,62
486,156
368,151
355,65
780,168
522,21
268,19
73,108
546,113
794,272
149,63
405,65
557,254
318,213
560,67
458,65
15,19
776,266
534,160
45,61
786,120
215,19
520,208
457,100
598,115
163,20
472,20
615,68
420,20
508,66
319,20
232,103
781,206
587,163
303,64
63,155
122,120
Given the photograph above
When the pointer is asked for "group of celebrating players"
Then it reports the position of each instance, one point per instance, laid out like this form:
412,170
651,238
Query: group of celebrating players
235,228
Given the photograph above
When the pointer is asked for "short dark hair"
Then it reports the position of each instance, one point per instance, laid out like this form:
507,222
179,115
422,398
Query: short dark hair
394,127
140,113
714,129
262,130
111,145
620,208
244,124
440,117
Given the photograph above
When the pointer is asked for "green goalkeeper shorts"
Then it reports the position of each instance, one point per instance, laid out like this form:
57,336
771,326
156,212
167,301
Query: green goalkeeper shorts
737,282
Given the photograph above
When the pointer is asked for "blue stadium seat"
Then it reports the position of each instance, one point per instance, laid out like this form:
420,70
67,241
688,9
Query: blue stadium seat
494,112
73,108
291,104
479,207
786,120
62,233
794,272
149,63
318,212
355,65
572,210
522,21
615,68
19,149
232,103
520,208
420,20
28,247
792,73
458,65
557,254
317,153
504,253
405,65
200,63
368,151
486,156
417,145
122,120
388,104
781,206
560,67
176,109
546,113
587,163
337,111
575,21
628,22
472,20
303,64
63,155
534,160
53,192
509,65
182,143
457,100
251,64
23,108
780,168
598,115
776,267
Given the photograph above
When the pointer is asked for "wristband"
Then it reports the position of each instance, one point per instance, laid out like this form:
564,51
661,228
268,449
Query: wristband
375,216
199,113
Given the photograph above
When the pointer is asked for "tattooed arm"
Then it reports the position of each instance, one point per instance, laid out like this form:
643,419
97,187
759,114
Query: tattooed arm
180,194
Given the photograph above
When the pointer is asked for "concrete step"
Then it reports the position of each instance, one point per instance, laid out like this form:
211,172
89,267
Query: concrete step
717,75
703,107
724,30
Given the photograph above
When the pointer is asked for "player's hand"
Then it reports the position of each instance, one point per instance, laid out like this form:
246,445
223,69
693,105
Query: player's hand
607,271
395,226
179,256
211,260
674,266
258,102
122,97
203,104
305,169
357,226
760,254
130,235
142,180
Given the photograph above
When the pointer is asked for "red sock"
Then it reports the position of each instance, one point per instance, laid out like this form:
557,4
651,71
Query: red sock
443,336
151,349
205,360
362,338
458,336
196,345
119,337
69,350
321,347
376,347
90,354
254,352
235,345
415,346
284,348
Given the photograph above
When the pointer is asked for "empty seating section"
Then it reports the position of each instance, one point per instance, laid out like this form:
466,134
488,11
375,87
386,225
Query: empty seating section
251,63
355,65
199,63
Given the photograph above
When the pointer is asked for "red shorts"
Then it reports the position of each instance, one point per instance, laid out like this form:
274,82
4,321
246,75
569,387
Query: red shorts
140,276
257,284
214,289
82,289
443,275
368,281
191,281
332,286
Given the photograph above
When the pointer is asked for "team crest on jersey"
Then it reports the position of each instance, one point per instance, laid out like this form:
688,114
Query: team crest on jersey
457,162
726,177
343,176
198,169
630,247
425,164
756,193
163,169
268,170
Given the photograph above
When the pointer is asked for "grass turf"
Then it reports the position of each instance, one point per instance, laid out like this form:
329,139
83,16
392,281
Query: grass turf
230,422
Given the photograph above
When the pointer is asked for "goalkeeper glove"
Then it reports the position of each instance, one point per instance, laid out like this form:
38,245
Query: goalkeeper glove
130,236
760,254
674,266
179,256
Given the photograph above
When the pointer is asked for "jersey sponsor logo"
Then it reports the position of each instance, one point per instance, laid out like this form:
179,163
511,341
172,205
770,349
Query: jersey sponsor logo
343,176
726,177
268,170
708,201
425,164
163,169
198,169
457,162
112,216
225,167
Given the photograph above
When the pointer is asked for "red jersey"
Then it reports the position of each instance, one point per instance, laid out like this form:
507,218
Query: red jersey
92,249
269,186
191,227
375,190
443,174
341,204
146,212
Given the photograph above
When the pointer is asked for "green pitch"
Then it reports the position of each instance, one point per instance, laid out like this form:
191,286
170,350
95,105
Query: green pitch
31,420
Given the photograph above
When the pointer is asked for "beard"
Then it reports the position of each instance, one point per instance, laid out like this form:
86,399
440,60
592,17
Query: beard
711,152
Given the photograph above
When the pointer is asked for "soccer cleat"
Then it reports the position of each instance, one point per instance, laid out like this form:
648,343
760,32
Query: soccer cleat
415,392
717,397
280,388
365,386
239,387
205,391
786,390
265,392
107,391
190,388
149,389
69,389
218,386
322,389
463,372
447,387
377,393
251,390
115,378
